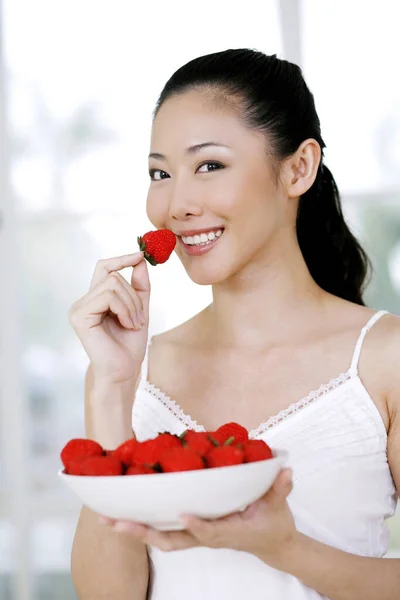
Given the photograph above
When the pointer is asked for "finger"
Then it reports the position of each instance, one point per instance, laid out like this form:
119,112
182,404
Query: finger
169,541
208,533
281,488
113,289
136,529
274,497
106,266
89,312
164,540
128,294
140,282
102,520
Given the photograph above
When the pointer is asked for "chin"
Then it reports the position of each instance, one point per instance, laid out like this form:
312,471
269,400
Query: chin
208,276
212,268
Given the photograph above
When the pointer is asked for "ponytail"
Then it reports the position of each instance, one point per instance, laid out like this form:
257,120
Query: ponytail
333,255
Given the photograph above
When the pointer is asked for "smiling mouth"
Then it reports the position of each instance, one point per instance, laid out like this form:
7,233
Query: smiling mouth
202,239
200,244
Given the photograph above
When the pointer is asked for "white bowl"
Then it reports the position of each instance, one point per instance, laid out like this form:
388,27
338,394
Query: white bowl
158,500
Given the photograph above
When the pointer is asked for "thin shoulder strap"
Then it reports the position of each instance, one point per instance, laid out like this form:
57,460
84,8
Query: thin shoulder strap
357,352
145,363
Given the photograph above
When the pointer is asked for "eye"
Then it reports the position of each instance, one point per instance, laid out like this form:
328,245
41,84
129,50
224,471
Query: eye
158,174
210,166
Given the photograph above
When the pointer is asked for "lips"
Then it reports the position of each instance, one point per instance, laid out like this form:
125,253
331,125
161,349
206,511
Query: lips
193,232
203,238
199,249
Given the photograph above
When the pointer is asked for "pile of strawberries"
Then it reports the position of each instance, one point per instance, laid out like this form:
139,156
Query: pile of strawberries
228,445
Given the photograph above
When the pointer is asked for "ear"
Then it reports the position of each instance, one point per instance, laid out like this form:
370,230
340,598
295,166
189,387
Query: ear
300,169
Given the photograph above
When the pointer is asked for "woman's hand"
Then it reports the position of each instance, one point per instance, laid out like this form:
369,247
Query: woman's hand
265,529
111,320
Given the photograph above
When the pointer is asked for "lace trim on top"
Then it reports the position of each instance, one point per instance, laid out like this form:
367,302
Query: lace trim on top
273,421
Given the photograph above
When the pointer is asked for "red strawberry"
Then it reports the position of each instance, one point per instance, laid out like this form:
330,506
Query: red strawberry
181,459
256,450
149,452
125,451
157,245
74,466
225,456
79,448
139,470
102,465
231,430
199,441
166,440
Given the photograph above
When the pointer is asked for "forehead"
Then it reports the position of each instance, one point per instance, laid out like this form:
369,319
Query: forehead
195,116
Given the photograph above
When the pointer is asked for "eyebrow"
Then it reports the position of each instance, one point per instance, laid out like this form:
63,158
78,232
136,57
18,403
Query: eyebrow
191,149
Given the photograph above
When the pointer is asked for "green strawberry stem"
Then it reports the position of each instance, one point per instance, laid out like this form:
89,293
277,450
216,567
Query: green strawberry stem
148,257
213,440
229,441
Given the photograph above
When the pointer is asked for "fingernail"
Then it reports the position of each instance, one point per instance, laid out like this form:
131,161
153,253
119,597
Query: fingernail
102,521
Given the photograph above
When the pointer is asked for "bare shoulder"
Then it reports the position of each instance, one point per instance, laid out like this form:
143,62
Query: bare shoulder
385,340
183,334
387,351
169,348
388,344
381,364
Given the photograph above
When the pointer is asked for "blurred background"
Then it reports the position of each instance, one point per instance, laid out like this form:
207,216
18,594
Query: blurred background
79,81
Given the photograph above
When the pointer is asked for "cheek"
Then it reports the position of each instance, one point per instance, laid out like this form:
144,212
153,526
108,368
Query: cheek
254,207
156,209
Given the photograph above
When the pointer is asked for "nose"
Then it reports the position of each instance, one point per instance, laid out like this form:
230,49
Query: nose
183,203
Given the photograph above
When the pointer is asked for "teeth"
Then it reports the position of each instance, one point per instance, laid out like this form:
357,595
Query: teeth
203,238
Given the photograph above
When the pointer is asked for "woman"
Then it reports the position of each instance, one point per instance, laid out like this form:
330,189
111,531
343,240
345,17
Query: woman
236,148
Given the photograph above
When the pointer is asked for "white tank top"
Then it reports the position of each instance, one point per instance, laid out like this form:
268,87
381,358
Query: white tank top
342,494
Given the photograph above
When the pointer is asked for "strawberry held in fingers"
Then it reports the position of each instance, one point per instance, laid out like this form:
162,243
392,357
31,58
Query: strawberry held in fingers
157,245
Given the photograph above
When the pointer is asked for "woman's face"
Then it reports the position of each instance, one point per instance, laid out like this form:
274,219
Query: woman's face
213,186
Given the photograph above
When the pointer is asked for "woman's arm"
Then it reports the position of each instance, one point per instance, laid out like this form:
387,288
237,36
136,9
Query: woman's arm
337,574
106,564
267,529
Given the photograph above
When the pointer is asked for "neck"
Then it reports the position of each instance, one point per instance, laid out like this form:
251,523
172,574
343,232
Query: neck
265,302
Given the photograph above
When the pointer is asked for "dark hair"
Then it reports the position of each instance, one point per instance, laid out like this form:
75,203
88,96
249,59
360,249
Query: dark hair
274,99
